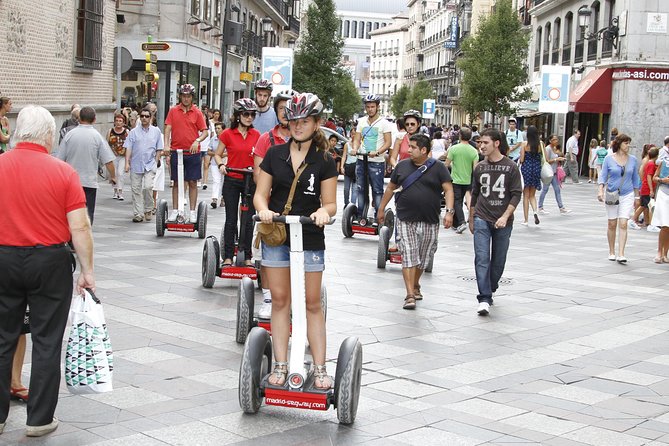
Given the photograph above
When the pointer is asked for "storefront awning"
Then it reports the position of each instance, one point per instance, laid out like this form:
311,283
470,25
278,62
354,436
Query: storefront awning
593,93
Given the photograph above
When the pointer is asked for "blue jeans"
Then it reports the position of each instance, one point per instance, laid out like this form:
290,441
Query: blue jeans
556,188
376,181
350,190
489,258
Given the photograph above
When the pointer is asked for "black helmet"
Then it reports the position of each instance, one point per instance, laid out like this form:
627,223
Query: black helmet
413,114
371,98
303,106
244,104
263,84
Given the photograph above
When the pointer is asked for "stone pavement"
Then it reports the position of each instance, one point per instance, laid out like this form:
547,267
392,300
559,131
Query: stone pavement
575,351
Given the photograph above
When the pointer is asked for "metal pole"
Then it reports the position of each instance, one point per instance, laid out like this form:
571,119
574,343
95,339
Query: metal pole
224,59
118,77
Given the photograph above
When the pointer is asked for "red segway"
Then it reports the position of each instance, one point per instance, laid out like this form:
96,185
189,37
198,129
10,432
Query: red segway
298,390
386,254
182,223
211,253
354,222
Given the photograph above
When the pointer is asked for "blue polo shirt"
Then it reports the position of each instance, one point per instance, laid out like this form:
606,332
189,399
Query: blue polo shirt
143,143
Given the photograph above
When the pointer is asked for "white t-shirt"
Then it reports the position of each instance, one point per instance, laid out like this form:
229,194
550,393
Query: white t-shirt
372,137
513,138
572,145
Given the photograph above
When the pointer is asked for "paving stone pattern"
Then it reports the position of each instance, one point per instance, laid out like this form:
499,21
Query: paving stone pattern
575,351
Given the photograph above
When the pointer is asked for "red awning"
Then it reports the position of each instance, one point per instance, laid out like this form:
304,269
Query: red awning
593,93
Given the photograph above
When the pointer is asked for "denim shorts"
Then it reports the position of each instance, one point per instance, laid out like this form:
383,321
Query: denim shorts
192,167
279,257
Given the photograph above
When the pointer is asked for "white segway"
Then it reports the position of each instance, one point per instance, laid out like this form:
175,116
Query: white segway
182,223
298,390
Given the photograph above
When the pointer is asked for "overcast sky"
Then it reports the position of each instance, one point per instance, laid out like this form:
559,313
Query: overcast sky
385,6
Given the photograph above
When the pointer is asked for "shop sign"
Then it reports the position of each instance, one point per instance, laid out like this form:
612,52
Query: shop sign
245,77
640,74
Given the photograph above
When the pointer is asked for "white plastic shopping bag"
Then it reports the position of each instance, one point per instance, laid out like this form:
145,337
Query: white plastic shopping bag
88,358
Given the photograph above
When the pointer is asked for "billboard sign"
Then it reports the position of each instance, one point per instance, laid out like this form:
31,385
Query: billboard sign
277,67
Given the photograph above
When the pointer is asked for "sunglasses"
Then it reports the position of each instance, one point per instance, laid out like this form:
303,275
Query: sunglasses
144,116
249,114
411,123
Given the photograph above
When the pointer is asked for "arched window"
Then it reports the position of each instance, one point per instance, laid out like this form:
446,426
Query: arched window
347,28
361,31
594,27
555,57
376,25
354,29
607,45
566,42
547,43
369,29
537,49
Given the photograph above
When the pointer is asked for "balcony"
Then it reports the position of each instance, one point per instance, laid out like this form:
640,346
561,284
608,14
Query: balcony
396,51
566,55
251,45
592,49
555,56
293,26
277,10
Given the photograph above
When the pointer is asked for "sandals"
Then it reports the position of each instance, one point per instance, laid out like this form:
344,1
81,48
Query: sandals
322,380
280,373
227,262
409,303
416,293
248,263
20,393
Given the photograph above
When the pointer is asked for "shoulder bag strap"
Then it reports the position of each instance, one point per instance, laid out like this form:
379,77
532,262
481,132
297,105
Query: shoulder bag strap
289,202
415,175
622,180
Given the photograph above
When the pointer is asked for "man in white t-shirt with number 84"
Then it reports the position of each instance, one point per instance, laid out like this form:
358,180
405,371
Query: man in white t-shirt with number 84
373,137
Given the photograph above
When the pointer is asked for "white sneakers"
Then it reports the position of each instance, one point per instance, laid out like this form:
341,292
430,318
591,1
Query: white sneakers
632,225
38,431
651,228
193,216
173,215
543,211
483,309
265,311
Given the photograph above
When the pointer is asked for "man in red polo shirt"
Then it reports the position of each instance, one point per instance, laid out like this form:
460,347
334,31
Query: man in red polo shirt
35,262
185,128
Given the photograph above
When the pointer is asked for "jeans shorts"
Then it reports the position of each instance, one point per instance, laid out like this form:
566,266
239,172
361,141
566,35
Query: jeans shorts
192,166
279,257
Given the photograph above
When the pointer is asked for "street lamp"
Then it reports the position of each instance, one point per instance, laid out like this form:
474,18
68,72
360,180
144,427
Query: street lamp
266,28
609,33
291,44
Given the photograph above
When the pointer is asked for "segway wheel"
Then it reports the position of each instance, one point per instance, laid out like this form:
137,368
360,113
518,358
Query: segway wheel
324,301
256,363
382,250
210,262
350,211
245,305
428,267
389,219
202,219
161,218
348,379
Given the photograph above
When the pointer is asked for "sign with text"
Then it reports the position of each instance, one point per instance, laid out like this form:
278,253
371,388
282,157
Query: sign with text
428,108
554,97
155,46
452,41
277,67
657,23
640,74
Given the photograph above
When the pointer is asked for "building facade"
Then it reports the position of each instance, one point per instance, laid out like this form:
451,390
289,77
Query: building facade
619,52
56,53
387,63
195,30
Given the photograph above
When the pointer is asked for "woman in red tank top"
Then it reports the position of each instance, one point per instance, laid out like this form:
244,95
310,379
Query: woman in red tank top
412,121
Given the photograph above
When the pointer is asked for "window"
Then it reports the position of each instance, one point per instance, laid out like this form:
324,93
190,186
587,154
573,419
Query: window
354,29
361,31
369,29
607,46
594,27
376,25
347,26
537,49
547,43
556,41
217,14
89,35
206,10
566,42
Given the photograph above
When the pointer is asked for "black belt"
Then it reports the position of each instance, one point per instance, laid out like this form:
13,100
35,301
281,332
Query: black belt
58,245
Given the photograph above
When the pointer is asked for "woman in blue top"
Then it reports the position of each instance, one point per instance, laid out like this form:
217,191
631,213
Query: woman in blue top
619,173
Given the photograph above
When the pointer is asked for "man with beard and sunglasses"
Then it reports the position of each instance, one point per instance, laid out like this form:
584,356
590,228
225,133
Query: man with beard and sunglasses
266,117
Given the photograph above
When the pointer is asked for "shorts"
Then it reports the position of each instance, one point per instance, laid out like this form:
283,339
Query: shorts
192,167
159,181
417,242
645,200
25,329
349,171
279,257
623,209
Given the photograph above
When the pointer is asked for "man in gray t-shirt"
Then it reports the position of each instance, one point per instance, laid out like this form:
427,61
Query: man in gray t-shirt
266,116
85,149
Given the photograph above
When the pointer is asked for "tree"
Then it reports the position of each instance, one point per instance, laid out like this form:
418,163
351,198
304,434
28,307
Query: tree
421,90
316,68
398,101
346,99
494,64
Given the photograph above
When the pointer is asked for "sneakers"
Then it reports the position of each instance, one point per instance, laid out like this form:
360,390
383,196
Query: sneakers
460,229
622,260
565,211
652,228
137,219
204,187
612,257
536,219
120,196
38,431
265,311
193,216
147,216
632,225
542,211
173,215
115,197
483,309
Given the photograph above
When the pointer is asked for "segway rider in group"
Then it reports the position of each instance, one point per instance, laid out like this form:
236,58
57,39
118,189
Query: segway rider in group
266,116
278,135
185,128
374,137
401,150
418,200
305,155
235,149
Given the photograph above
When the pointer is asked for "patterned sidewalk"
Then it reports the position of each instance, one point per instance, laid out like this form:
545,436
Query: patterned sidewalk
575,351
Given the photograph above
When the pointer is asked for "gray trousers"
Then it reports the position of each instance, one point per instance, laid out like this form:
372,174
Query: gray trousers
142,192
571,169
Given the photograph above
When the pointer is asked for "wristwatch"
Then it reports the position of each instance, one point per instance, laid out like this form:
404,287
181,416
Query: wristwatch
450,211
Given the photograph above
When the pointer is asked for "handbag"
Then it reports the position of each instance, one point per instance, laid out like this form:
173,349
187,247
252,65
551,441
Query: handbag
89,361
546,169
274,234
612,198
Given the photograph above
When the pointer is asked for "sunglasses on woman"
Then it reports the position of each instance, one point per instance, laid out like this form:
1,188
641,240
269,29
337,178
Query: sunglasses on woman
247,114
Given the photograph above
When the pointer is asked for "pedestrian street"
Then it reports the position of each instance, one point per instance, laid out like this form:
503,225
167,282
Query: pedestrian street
575,350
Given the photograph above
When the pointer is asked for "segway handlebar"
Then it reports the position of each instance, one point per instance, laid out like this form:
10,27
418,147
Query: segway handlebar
303,220
246,171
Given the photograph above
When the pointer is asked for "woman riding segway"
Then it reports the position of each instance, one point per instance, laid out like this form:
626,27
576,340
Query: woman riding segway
236,146
305,155
400,151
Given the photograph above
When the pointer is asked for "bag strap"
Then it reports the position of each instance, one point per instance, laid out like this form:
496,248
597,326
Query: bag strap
415,175
289,202
622,180
271,138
